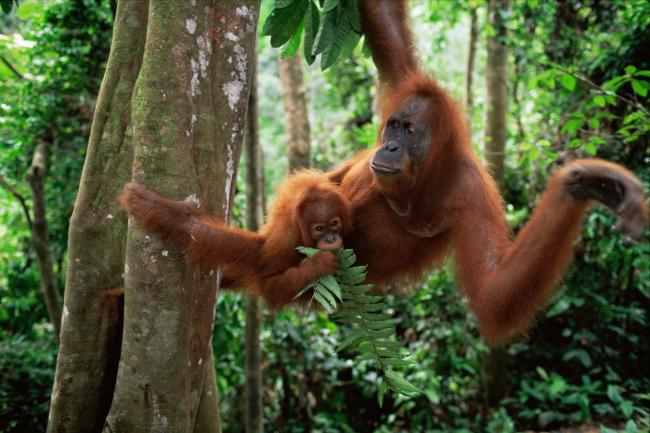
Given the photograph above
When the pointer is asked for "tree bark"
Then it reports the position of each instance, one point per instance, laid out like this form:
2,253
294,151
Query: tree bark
41,236
189,107
254,217
469,72
91,327
494,363
497,88
170,116
295,109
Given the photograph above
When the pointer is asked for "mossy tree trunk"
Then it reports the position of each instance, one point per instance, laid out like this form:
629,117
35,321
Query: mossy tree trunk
170,115
471,60
254,218
41,236
494,363
497,88
295,112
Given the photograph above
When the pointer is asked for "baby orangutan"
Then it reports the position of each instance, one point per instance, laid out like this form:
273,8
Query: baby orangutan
308,210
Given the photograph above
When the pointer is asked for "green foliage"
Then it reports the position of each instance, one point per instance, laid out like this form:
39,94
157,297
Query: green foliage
331,29
26,375
59,50
373,329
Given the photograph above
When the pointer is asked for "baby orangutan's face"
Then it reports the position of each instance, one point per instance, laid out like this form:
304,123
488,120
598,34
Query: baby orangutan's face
325,221
327,234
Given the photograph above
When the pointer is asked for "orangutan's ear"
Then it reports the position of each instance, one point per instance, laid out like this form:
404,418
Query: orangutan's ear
302,225
346,215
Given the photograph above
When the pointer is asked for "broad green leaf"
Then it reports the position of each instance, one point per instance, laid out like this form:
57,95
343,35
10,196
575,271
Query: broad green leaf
292,46
590,148
630,69
353,12
351,42
6,5
283,23
572,125
330,5
312,19
640,87
325,34
593,123
332,51
630,427
599,100
568,82
613,394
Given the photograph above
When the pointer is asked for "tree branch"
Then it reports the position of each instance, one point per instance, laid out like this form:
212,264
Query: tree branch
596,87
11,67
20,198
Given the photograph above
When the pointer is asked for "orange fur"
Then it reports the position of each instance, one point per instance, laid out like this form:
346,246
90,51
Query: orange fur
265,263
456,207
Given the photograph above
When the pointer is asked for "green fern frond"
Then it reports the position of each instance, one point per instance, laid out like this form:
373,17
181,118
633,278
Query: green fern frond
373,329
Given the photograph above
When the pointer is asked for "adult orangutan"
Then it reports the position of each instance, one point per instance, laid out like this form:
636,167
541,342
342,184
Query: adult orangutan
421,193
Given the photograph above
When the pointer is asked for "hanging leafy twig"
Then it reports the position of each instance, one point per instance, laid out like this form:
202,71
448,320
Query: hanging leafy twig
600,89
373,330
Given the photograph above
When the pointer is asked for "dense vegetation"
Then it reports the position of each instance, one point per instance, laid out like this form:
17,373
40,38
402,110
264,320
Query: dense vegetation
579,82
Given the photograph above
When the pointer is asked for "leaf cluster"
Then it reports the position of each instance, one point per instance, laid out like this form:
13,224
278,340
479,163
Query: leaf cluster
330,28
372,334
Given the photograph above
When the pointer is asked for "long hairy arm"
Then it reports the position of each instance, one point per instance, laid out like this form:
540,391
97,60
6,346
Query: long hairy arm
205,241
506,282
385,25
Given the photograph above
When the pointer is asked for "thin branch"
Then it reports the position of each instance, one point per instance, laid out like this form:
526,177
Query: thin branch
12,68
19,197
595,86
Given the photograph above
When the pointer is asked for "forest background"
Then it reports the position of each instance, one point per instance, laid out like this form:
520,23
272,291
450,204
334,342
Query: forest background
578,76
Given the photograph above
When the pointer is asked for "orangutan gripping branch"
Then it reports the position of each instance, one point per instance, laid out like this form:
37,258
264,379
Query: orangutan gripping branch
421,192
308,211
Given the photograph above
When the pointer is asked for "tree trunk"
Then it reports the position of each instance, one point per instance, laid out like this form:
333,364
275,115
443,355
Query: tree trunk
471,56
494,362
254,217
41,237
295,109
169,116
497,88
91,327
